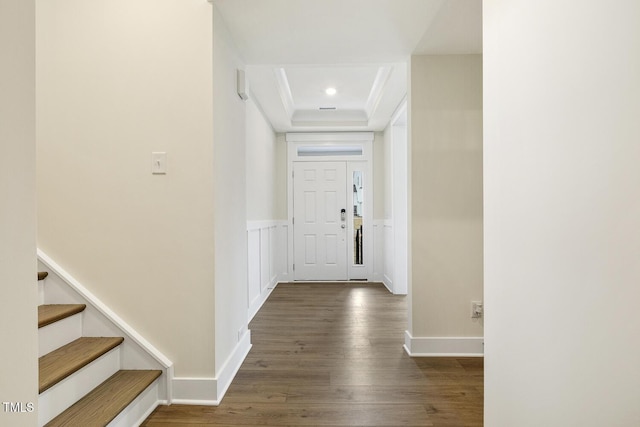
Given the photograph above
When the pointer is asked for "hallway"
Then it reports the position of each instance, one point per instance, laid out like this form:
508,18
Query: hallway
331,354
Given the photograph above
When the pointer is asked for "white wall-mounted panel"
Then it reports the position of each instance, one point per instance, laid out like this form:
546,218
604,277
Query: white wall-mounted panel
273,255
389,256
267,260
378,251
253,273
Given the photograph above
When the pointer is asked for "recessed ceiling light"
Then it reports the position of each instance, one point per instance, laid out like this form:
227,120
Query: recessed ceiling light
330,91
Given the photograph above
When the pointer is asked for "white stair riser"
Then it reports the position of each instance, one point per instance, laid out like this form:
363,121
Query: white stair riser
40,292
55,400
59,333
139,409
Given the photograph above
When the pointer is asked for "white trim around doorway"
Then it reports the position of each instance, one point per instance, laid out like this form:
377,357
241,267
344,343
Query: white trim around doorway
332,146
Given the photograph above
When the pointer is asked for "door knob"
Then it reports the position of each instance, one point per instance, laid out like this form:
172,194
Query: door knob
343,226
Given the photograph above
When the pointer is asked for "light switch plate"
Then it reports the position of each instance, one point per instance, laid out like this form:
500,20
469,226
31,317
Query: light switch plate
159,163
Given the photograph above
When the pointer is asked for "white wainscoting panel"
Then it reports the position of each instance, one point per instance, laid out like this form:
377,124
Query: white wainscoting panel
282,260
383,253
273,256
253,266
383,261
388,254
266,253
267,243
378,250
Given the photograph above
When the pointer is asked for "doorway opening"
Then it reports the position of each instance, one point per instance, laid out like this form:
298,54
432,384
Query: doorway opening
330,206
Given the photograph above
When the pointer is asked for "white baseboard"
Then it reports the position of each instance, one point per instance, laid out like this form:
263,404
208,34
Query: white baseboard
232,365
267,260
443,346
386,281
257,304
210,391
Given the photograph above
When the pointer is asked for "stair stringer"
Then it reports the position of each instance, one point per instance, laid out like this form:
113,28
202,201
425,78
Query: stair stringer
100,320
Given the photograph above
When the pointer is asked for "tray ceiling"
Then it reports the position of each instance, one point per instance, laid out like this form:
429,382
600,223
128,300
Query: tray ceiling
295,49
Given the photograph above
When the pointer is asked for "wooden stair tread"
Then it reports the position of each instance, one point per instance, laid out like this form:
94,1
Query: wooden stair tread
60,363
42,275
51,313
100,406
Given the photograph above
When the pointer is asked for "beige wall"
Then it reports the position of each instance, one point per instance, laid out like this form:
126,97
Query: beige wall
562,212
281,177
229,125
262,166
446,194
18,312
117,80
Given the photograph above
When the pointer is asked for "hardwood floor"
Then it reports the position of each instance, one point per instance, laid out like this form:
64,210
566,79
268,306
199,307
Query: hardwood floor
331,355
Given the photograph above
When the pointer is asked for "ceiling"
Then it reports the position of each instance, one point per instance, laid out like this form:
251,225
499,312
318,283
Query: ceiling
295,49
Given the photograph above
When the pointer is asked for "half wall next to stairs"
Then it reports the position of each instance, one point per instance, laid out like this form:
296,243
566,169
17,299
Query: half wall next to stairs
100,321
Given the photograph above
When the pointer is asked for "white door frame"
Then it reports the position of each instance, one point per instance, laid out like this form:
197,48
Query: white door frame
400,200
335,146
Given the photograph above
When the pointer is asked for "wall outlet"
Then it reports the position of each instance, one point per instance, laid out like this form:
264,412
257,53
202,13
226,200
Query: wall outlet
477,309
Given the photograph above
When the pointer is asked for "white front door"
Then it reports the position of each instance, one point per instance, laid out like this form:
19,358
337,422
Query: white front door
320,221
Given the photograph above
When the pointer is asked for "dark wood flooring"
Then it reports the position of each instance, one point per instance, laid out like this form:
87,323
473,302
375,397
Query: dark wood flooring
331,355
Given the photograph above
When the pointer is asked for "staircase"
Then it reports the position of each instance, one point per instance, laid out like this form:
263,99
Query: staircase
81,379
